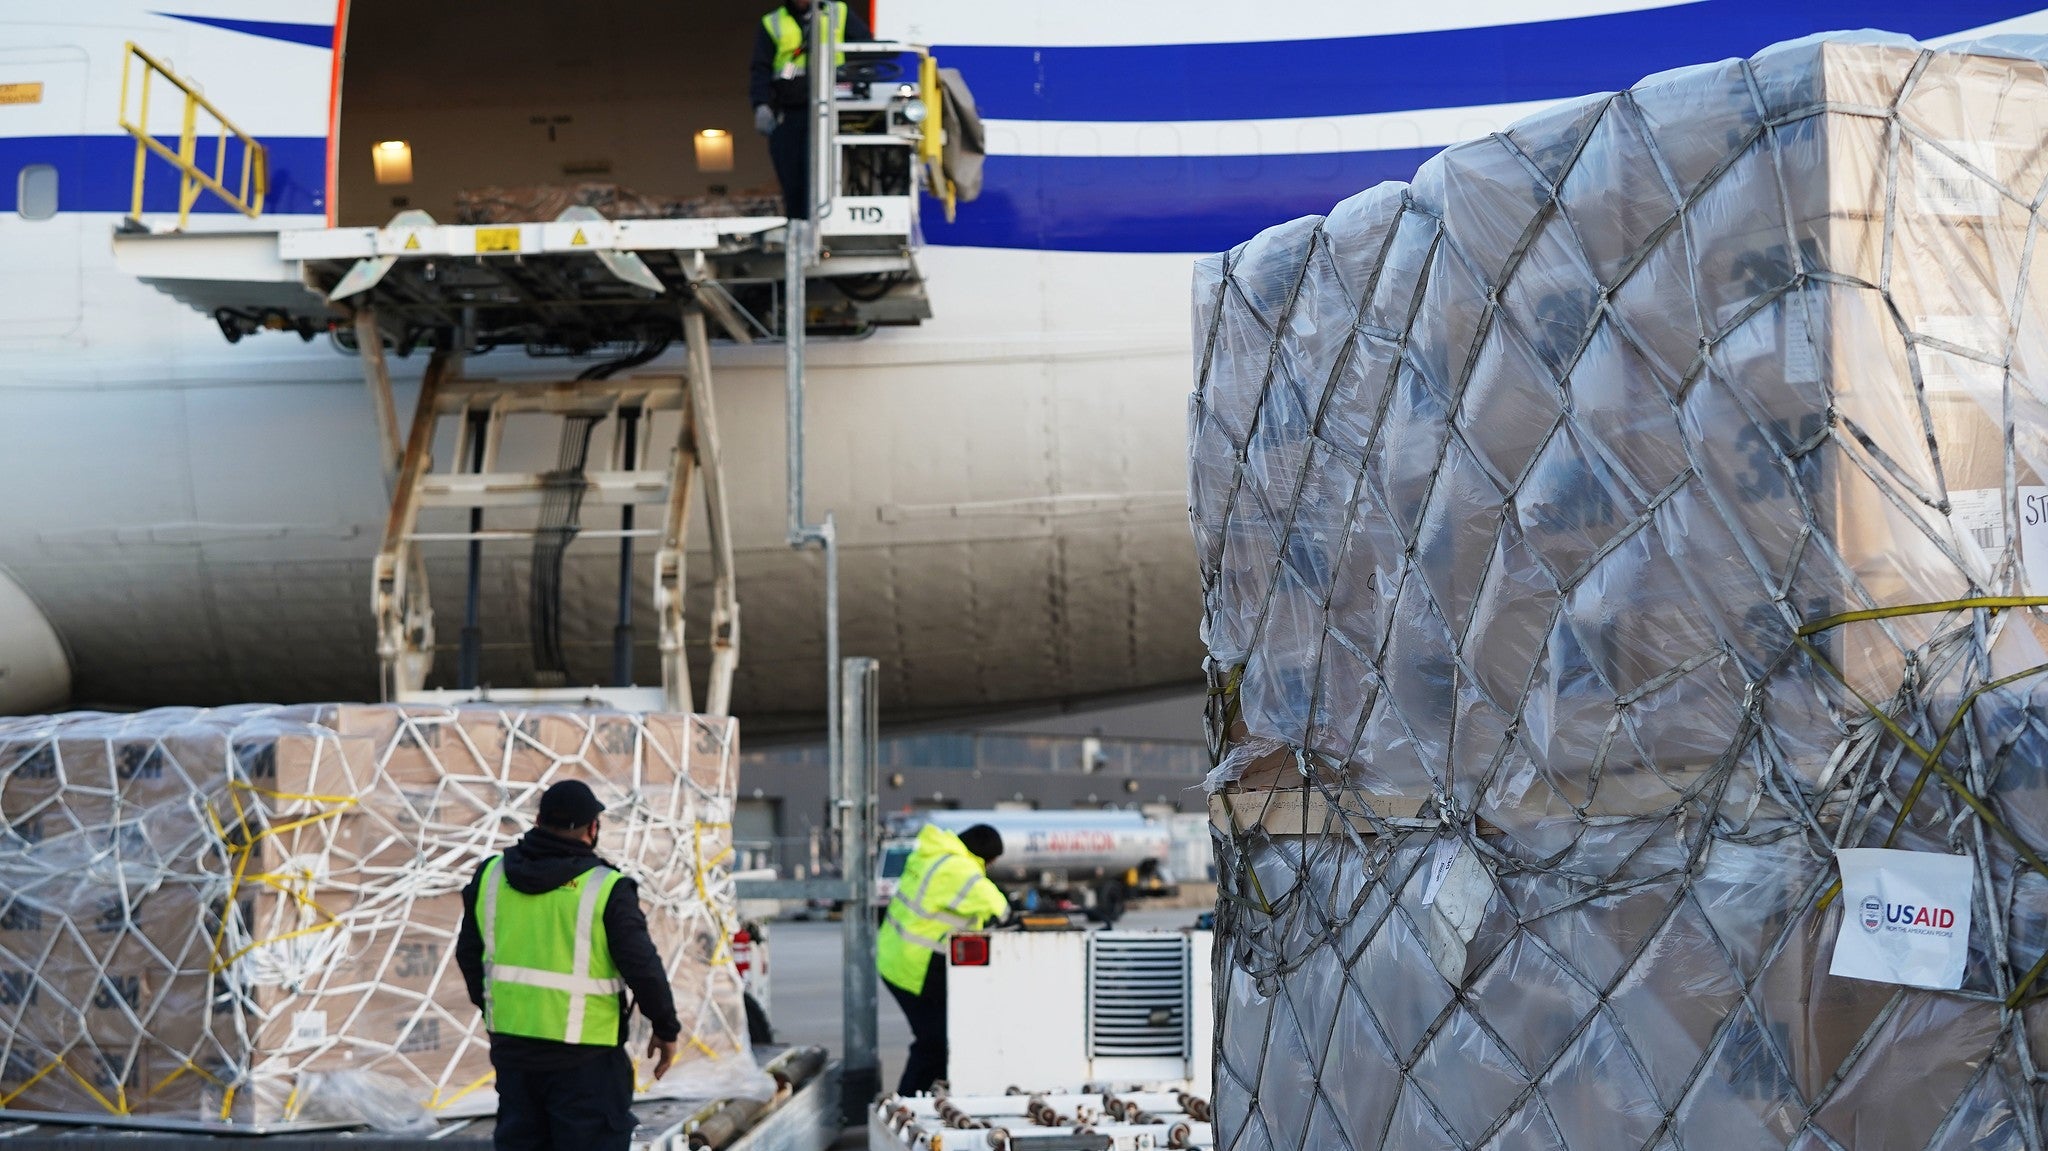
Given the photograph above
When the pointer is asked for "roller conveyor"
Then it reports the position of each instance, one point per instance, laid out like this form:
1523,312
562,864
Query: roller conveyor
1094,1121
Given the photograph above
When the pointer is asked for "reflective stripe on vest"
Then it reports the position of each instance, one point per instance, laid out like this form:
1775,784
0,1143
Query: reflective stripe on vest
909,935
789,39
917,920
570,1005
947,914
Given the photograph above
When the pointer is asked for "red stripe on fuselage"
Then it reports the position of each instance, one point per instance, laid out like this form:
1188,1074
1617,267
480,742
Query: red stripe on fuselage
334,109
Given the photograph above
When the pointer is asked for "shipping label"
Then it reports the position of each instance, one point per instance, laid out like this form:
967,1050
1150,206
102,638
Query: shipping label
1944,371
1442,854
1455,896
1944,187
309,1027
1979,516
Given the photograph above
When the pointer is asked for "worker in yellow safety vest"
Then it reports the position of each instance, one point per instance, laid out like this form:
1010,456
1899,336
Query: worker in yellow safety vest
779,90
944,888
552,939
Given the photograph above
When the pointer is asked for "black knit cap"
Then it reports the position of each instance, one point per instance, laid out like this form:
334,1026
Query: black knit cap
984,841
569,803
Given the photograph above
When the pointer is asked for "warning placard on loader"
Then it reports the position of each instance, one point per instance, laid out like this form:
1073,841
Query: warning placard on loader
1905,917
497,239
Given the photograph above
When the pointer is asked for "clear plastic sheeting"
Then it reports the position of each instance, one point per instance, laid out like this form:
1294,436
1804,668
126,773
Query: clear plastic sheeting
1596,535
367,1098
247,916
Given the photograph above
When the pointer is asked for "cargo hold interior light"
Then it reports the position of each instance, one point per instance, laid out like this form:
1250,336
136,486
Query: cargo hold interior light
714,150
393,161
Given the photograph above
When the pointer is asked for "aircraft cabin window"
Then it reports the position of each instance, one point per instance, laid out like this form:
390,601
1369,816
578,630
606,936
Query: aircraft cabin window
36,194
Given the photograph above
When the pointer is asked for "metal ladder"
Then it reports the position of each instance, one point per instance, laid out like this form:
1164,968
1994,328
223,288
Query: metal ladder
631,475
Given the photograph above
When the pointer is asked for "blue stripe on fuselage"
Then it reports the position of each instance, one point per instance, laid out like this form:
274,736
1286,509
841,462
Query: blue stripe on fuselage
1501,64
1155,203
97,173
1055,203
1071,203
1456,67
311,35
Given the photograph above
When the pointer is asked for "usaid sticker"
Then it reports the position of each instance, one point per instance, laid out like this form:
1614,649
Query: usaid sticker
1906,917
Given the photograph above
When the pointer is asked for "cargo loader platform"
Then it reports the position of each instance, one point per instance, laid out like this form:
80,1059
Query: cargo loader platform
582,281
576,284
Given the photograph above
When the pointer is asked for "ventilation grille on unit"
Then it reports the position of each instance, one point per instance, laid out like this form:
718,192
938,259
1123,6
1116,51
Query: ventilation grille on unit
1137,995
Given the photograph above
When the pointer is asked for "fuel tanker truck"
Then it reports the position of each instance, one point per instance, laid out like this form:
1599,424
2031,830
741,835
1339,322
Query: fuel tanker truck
1094,862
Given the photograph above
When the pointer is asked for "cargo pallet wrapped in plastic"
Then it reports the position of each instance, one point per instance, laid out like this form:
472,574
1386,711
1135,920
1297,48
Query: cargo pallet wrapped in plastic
1599,535
247,916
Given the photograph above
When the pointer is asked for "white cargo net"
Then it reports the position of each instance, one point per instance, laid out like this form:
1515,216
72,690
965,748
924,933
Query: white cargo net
1596,535
248,916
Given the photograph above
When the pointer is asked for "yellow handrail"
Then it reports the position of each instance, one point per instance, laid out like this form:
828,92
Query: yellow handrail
255,167
931,145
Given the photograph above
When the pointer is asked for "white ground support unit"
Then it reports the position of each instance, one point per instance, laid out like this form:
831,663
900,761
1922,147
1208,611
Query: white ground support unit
1063,1121
1111,1007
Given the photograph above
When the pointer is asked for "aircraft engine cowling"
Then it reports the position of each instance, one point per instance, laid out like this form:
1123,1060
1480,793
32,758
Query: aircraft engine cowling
35,671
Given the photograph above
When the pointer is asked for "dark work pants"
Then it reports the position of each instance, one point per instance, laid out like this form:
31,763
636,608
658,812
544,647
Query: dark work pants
586,1106
789,147
927,1014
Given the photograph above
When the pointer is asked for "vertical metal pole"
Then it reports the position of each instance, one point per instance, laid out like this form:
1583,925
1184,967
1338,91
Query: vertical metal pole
835,728
802,534
823,73
860,721
852,791
469,662
622,632
793,375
